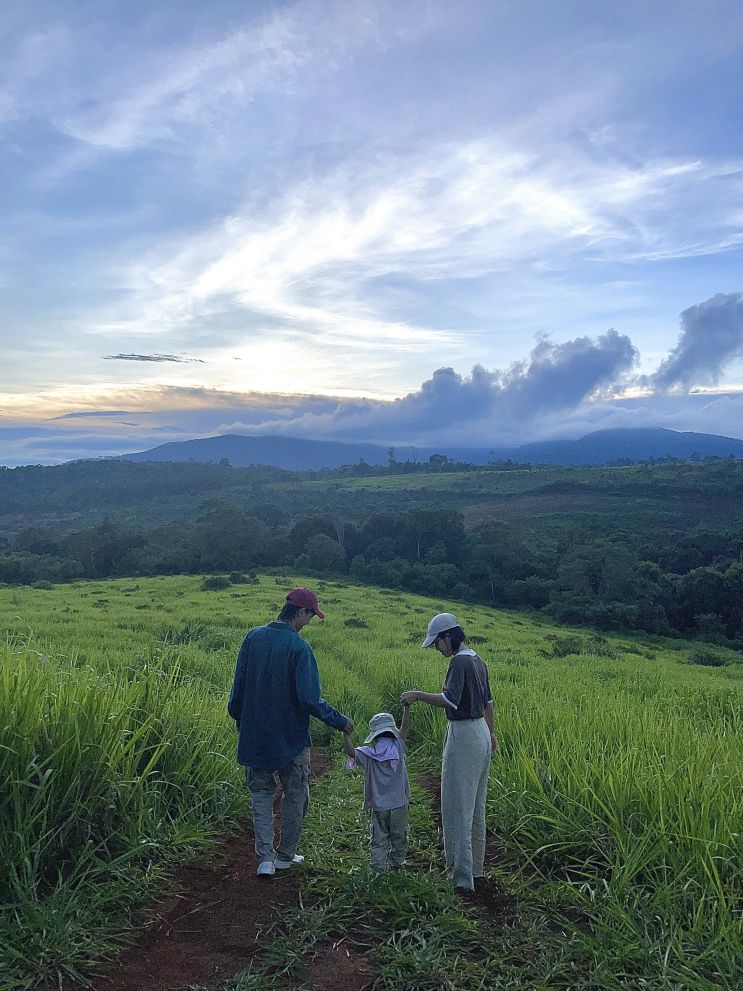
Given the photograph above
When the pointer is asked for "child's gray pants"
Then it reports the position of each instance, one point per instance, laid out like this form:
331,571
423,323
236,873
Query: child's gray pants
295,786
388,846
464,788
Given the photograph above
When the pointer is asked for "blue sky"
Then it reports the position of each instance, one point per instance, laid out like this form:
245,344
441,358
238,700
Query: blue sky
418,222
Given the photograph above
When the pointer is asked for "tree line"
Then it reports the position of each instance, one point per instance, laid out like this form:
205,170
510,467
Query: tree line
687,584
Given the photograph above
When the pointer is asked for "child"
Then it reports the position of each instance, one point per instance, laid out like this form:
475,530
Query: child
386,787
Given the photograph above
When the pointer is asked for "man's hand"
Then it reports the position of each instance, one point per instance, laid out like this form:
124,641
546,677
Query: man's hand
348,728
493,743
407,697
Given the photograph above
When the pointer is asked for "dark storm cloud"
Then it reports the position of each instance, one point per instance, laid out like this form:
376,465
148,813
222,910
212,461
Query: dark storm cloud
557,390
711,336
562,376
180,359
555,377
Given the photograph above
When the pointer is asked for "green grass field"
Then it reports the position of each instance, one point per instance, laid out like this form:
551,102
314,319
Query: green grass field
616,792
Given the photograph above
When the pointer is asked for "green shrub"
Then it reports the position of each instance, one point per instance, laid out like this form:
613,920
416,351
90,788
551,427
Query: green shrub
215,583
238,578
562,645
707,658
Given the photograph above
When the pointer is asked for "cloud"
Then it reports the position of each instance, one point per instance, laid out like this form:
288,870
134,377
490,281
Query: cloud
154,357
711,337
178,91
376,212
94,412
486,406
311,267
554,378
190,96
563,389
562,376
700,413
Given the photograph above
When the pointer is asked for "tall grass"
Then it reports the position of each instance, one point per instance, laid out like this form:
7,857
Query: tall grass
637,808
104,777
617,785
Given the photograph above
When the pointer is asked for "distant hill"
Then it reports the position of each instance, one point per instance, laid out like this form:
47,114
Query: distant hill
607,446
293,453
283,452
599,448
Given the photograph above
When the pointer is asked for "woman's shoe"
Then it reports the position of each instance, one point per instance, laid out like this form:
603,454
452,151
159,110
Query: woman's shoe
284,865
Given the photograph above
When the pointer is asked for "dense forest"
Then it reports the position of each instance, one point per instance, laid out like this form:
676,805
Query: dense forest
655,547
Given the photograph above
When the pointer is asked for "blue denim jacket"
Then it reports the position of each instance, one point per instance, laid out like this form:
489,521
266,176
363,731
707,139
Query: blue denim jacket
275,691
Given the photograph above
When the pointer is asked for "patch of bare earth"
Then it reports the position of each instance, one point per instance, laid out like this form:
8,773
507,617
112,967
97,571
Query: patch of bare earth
339,968
212,927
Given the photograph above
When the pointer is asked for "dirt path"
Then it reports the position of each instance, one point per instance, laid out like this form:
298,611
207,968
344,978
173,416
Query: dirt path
212,929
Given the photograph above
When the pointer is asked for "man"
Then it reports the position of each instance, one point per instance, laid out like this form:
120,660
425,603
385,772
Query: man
276,690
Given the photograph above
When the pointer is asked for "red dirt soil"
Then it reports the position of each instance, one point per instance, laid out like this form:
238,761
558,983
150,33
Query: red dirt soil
212,929
339,968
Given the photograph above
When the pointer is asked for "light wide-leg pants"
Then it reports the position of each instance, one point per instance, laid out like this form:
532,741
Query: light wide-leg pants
464,788
295,799
388,845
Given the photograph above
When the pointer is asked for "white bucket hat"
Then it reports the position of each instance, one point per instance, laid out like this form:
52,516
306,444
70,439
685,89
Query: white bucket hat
383,722
440,623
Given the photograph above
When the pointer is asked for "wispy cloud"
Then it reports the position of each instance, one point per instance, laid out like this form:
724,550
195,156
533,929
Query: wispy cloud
180,92
345,197
178,359
309,267
99,413
173,99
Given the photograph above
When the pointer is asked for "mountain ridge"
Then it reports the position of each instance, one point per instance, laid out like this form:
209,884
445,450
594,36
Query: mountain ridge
600,447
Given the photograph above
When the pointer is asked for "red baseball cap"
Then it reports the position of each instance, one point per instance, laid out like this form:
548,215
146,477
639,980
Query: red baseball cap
305,598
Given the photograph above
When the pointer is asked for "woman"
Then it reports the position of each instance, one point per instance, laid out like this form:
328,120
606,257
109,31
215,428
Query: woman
470,741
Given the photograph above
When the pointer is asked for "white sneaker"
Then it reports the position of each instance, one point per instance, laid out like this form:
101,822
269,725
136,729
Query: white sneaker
266,868
284,865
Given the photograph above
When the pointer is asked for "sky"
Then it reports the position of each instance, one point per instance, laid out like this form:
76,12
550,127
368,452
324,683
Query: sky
422,223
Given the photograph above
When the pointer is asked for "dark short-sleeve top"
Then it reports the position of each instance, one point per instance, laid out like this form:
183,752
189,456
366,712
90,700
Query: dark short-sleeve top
467,687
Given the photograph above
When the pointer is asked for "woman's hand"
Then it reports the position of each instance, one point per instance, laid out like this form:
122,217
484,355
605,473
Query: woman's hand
407,697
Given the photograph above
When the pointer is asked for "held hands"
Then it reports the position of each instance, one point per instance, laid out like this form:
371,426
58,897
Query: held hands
407,698
348,745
